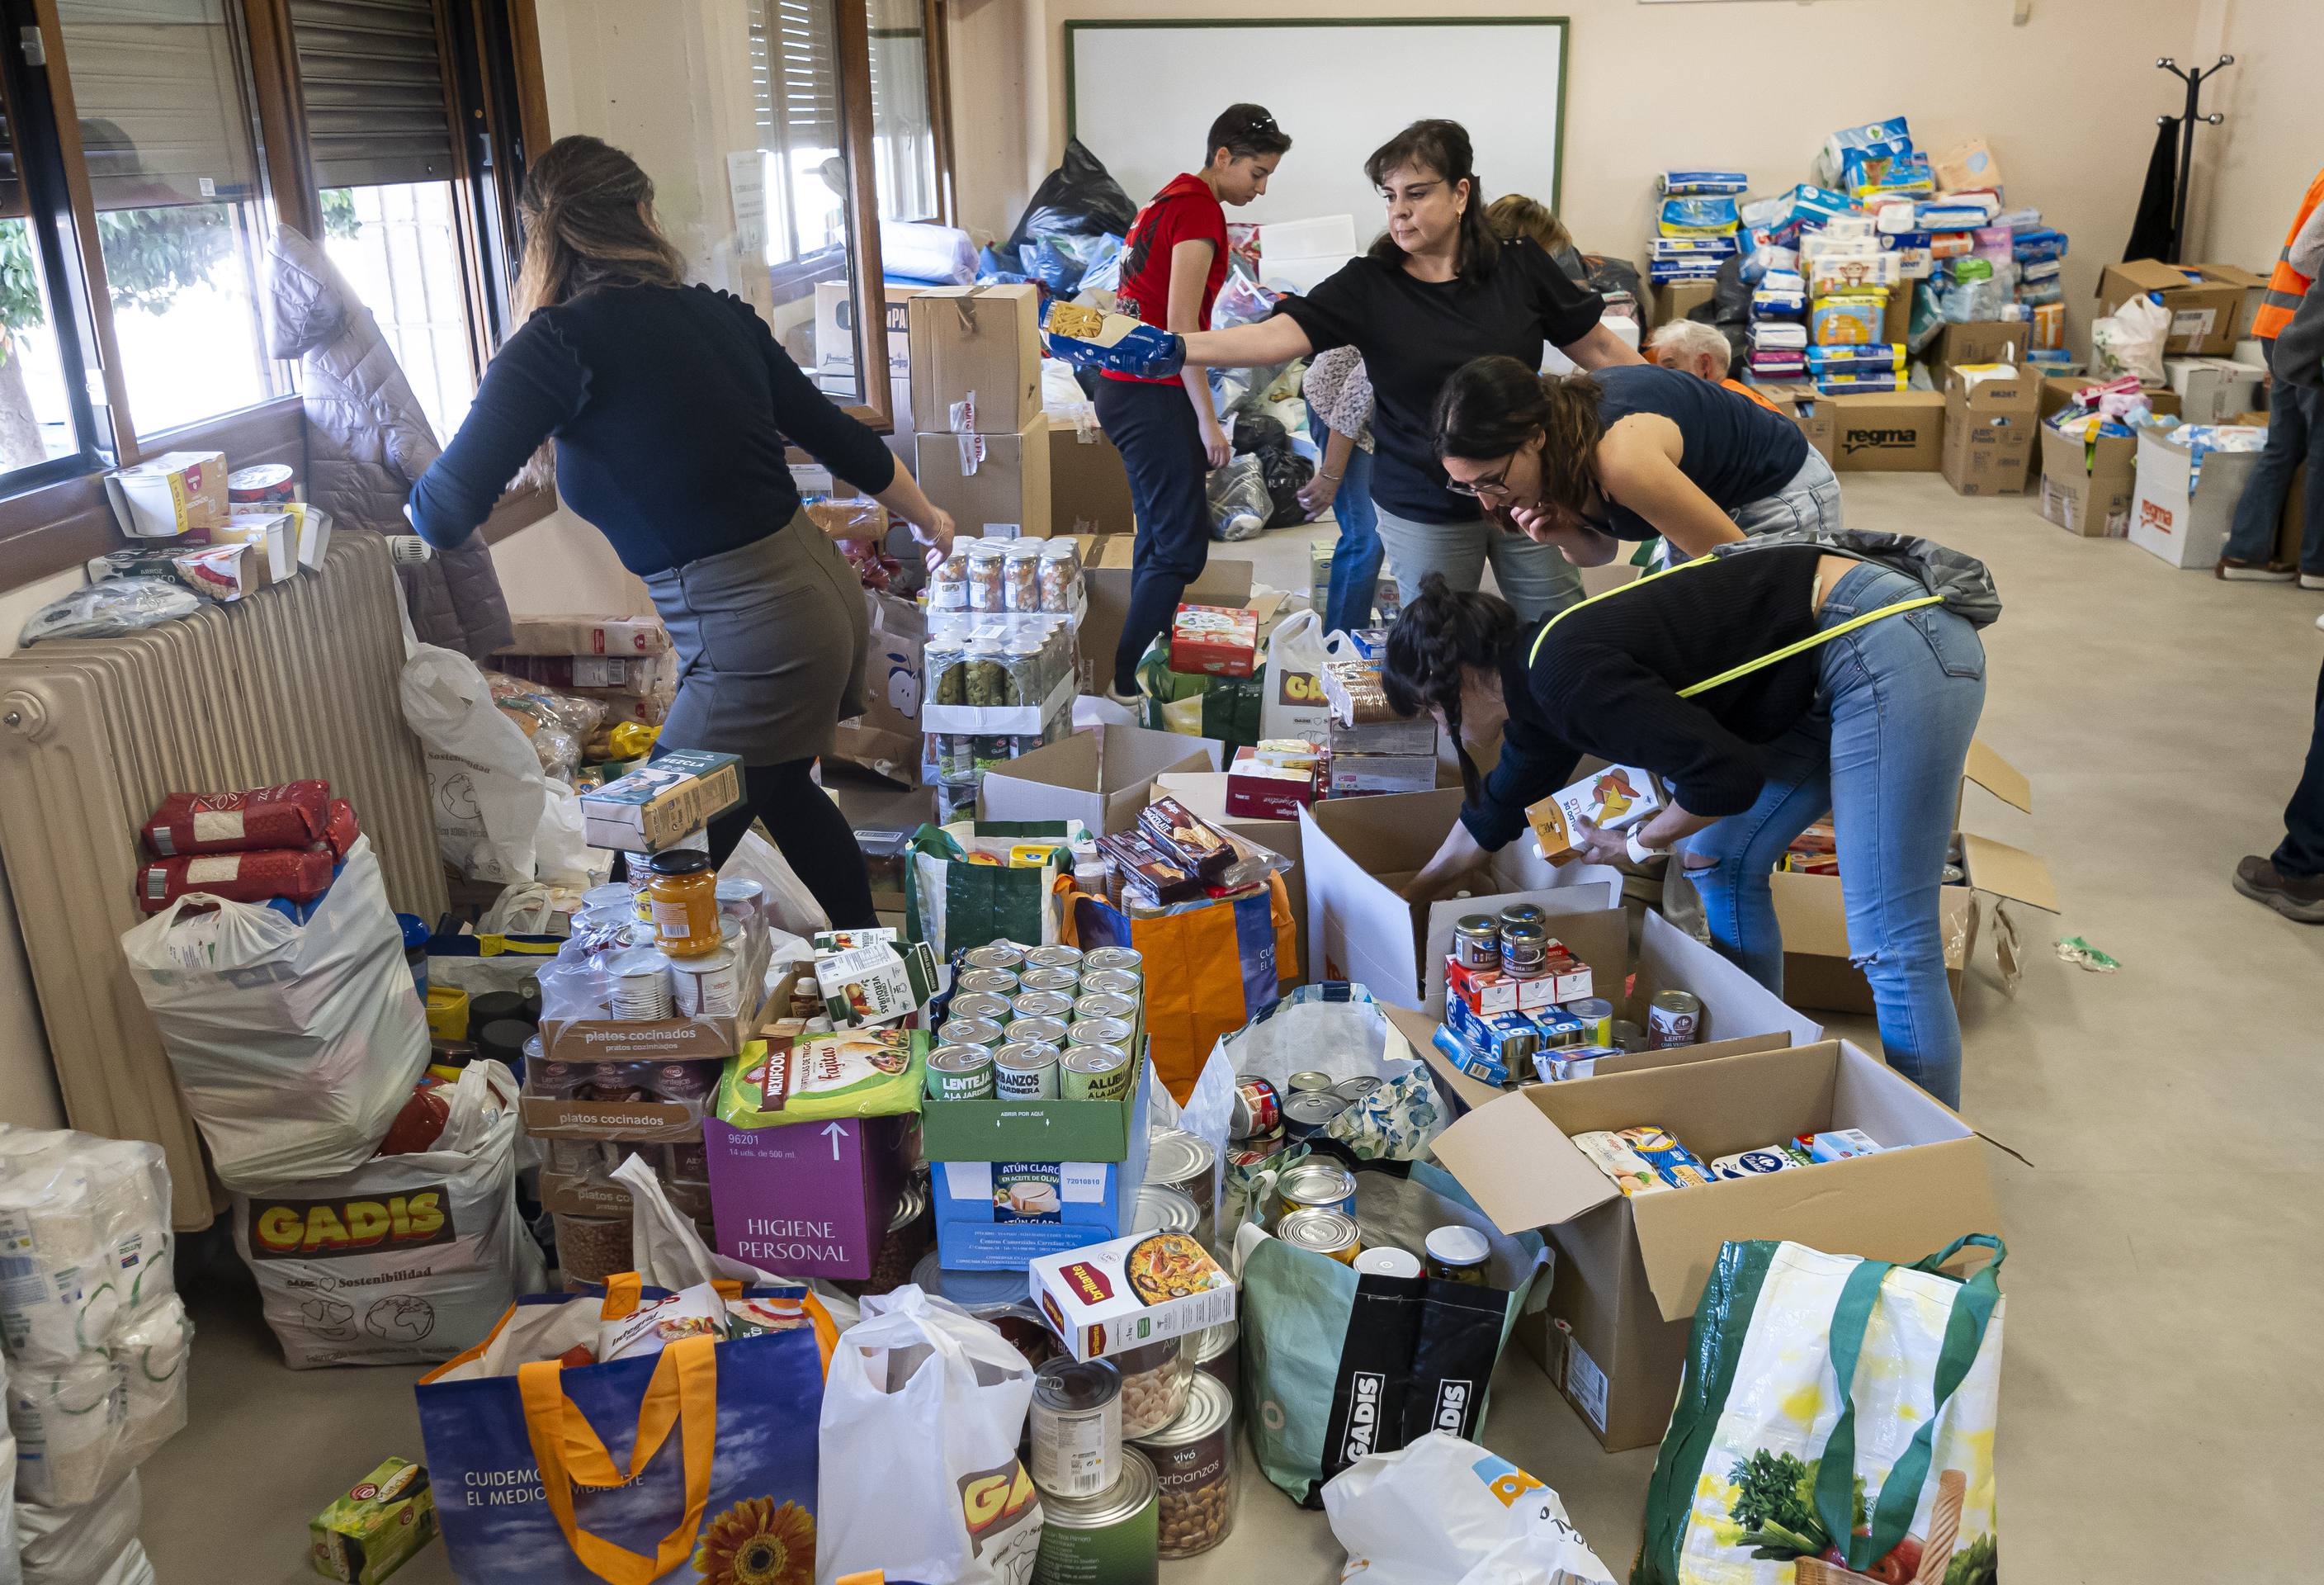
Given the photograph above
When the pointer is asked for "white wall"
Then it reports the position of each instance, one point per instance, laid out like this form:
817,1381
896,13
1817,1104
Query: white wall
2068,100
2251,170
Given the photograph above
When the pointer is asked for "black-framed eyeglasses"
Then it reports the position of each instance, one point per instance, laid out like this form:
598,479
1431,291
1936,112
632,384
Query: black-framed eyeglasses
1497,485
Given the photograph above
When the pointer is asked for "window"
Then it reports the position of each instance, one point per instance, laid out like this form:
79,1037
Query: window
903,130
795,73
36,418
168,137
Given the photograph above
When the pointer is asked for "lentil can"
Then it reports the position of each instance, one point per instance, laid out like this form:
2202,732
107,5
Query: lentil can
978,1004
1095,1073
960,1073
1194,1468
1058,957
1064,981
981,1032
1110,1539
987,982
999,955
1076,1427
1041,1003
1674,1018
1041,1031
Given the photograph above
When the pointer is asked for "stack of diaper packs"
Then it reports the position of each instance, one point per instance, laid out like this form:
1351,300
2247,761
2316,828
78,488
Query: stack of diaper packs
1695,225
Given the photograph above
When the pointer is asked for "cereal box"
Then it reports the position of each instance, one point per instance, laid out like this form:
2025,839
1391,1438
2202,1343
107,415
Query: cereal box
375,1526
1613,799
1107,1297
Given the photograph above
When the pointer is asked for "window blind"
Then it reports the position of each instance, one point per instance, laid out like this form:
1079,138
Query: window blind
371,76
795,73
163,117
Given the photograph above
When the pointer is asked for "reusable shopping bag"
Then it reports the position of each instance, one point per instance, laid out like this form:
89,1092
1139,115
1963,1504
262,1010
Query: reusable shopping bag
962,890
1835,1425
1294,706
920,1423
1336,1366
294,1045
407,1258
1445,1512
1209,966
1196,703
696,1463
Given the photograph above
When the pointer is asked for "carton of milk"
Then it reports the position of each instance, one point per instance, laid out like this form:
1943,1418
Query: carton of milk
1612,799
876,983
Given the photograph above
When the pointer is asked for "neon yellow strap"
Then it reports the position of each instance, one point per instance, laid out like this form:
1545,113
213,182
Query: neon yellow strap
1748,667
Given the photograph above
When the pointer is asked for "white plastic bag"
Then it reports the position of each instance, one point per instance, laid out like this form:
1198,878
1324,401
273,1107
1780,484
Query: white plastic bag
93,1544
921,1413
407,1258
294,1045
1444,1511
666,1250
1294,705
497,817
2130,341
791,906
11,1572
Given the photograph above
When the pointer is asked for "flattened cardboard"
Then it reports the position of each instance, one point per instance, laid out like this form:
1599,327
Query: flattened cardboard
1629,1272
1101,777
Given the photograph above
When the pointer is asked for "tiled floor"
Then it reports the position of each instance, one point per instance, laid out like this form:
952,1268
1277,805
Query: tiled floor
2163,1183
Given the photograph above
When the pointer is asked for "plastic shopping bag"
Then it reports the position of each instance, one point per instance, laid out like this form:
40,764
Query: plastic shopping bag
1445,1512
1834,1411
1240,503
406,1259
2130,341
669,1253
93,1544
294,1045
1294,706
497,817
920,1421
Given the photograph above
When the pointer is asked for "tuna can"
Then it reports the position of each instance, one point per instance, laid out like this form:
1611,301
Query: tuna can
1257,1108
1352,1090
1024,1072
1041,1003
999,955
1041,1031
1193,1466
1102,1031
1311,1082
1127,961
1186,1163
1674,1018
1110,982
1095,1073
1318,1186
1307,1115
1058,957
986,982
1164,1209
708,987
960,1073
981,1032
1077,1428
977,1005
1327,1232
1477,941
1387,1262
1101,1005
1064,981
1110,1539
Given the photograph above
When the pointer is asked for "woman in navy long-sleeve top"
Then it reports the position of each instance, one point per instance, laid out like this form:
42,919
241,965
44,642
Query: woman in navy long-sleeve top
671,406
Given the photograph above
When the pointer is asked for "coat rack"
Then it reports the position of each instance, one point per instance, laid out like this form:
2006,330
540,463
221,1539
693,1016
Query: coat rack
2194,78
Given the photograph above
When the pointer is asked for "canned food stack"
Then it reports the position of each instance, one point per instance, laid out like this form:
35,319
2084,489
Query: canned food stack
999,685
1520,1008
1267,1117
1040,1023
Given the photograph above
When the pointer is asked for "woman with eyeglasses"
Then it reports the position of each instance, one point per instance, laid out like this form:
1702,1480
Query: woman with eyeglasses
1435,291
1175,260
1583,461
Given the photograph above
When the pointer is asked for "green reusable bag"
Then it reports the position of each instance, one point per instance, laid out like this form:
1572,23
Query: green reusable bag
1194,702
953,901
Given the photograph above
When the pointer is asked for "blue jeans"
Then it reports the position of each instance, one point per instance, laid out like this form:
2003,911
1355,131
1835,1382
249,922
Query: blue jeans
2295,433
1896,703
1356,559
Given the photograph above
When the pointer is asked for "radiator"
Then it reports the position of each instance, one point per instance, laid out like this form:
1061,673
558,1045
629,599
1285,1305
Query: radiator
297,680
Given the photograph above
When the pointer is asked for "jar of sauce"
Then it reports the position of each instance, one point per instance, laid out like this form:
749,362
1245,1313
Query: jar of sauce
683,892
1459,1255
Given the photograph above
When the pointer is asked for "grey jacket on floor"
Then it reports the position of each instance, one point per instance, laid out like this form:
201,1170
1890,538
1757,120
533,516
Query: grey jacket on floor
368,440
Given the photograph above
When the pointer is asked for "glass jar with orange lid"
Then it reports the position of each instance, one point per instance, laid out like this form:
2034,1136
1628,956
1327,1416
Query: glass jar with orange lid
683,892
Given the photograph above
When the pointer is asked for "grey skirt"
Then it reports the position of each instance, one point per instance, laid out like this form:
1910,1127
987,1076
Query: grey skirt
770,638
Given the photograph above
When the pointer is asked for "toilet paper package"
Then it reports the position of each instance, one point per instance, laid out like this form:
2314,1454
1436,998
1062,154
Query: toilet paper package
83,1239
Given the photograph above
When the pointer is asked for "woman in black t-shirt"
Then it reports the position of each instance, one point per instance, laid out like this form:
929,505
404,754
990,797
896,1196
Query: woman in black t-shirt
1437,289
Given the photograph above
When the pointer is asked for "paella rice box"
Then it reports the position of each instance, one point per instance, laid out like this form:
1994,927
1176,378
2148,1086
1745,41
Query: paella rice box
1105,1298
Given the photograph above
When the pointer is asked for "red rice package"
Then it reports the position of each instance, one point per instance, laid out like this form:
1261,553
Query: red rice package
299,874
340,831
291,815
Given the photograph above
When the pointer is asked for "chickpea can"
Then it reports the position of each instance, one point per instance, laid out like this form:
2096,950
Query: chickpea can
1193,1466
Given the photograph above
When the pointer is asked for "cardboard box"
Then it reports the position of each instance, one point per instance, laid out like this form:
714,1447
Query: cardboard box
1095,1304
1811,909
834,331
1809,409
1259,790
1979,341
1225,581
1101,777
2178,516
1034,1130
992,484
1990,433
1219,641
663,803
273,536
1902,432
2058,391
175,494
1675,299
2088,488
806,1199
1089,486
375,1526
572,1194
999,1215
979,344
1630,1271
2213,390
2208,302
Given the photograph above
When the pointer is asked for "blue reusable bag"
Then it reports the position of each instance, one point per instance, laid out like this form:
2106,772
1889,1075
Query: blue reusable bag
697,1463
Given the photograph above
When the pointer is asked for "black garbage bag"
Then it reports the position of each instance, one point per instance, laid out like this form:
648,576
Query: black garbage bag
1730,295
1255,431
1078,199
1285,472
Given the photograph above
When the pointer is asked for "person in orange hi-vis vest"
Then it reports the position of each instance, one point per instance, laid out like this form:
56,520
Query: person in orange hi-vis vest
2295,423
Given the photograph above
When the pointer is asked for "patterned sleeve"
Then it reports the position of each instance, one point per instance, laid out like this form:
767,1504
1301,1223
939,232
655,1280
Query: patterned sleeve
1341,393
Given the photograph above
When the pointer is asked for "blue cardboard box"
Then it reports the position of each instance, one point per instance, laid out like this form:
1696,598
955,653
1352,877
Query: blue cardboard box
995,1215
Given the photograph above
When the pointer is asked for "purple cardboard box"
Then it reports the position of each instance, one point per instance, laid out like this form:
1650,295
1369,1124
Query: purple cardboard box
809,1199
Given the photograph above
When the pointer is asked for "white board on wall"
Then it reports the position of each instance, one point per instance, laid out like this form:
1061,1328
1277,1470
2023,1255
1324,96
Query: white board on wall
1142,96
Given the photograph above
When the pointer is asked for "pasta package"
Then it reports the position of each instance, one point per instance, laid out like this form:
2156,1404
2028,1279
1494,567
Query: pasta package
290,815
299,875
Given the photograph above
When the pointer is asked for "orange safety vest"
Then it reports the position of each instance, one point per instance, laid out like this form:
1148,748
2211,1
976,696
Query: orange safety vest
1740,389
2285,285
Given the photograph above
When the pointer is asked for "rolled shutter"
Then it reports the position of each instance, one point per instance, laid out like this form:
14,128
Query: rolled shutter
12,180
371,76
159,93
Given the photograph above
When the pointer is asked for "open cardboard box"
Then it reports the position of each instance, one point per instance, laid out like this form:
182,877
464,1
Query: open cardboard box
1105,578
1630,1270
1818,969
1100,777
1739,1012
1360,851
